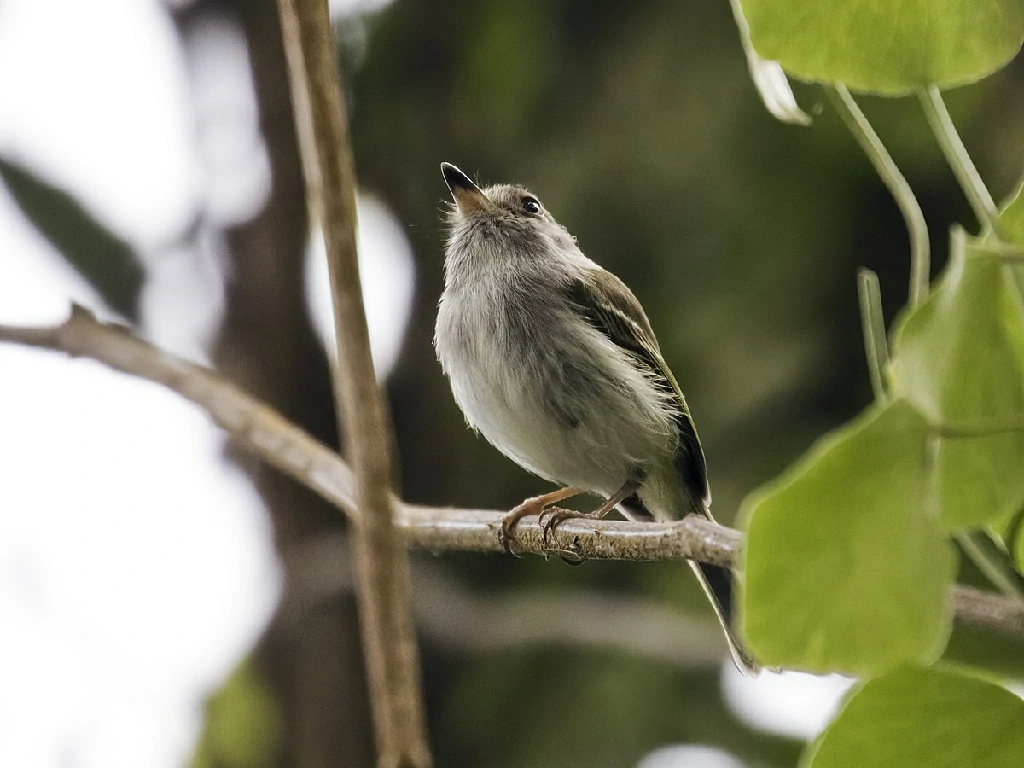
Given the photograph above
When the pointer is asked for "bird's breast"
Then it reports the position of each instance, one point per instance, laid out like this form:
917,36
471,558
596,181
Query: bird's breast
548,390
501,350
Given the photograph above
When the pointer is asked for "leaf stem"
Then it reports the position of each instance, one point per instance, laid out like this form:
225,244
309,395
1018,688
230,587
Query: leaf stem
993,563
970,431
1001,249
873,327
920,251
956,155
1012,537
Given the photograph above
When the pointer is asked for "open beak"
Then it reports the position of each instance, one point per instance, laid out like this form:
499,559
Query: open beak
468,196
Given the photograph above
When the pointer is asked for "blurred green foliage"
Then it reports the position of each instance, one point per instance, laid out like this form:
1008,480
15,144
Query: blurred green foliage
243,728
594,708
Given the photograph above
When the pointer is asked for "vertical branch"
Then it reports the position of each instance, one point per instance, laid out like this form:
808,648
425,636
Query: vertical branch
920,252
873,327
382,561
956,155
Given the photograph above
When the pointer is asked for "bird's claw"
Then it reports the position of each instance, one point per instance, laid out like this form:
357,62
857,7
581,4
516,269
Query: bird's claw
571,558
556,516
505,534
534,506
508,522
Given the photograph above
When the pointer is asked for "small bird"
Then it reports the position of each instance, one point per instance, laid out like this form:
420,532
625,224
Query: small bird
553,360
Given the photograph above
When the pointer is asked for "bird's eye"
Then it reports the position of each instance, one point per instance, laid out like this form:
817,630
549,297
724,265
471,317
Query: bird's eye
531,205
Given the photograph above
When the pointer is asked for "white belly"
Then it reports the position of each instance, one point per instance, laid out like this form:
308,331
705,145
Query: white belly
566,404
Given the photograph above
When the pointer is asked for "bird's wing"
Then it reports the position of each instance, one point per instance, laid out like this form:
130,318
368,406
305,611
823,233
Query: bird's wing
610,307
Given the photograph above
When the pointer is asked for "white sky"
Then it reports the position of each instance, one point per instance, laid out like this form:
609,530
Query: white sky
136,565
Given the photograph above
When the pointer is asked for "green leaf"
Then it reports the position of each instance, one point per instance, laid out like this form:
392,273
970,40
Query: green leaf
101,257
1011,533
1013,539
768,77
958,359
927,718
844,567
1011,217
889,47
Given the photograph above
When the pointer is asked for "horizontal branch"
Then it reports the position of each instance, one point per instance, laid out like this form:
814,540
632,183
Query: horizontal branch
252,423
262,430
476,530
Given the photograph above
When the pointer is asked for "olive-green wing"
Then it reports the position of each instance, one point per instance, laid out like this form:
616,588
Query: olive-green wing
610,307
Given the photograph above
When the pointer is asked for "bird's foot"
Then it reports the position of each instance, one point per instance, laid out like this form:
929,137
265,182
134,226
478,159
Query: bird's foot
558,515
532,506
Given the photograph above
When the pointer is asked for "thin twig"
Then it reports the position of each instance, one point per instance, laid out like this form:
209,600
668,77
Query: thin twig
876,347
987,611
272,438
384,594
920,250
956,155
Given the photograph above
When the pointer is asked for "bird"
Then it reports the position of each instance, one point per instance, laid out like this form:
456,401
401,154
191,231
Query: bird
553,360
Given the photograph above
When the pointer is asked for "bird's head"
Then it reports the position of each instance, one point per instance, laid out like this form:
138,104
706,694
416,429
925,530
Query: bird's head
504,217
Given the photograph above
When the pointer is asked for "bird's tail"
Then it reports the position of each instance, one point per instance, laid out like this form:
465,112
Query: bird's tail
719,585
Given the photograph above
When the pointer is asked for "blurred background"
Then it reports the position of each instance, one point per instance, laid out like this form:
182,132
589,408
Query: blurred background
166,601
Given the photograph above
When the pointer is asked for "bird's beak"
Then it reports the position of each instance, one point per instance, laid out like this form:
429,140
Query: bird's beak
468,196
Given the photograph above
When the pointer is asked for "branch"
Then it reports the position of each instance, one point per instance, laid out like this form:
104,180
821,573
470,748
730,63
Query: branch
475,530
987,611
259,428
384,593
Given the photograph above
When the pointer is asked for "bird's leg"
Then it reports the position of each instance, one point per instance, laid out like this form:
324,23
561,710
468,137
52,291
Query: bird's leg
561,515
532,506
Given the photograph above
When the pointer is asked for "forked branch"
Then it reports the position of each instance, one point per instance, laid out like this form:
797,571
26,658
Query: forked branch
280,443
